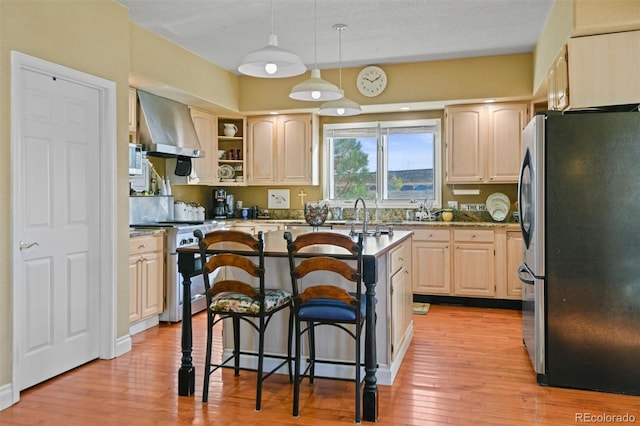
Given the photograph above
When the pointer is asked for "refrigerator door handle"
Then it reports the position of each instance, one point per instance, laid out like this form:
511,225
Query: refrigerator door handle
524,275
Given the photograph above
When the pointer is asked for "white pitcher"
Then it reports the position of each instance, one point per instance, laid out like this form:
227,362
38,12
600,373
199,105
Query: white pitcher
230,129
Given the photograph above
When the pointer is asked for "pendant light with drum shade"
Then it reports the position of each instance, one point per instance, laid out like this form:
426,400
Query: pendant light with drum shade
315,89
344,106
272,61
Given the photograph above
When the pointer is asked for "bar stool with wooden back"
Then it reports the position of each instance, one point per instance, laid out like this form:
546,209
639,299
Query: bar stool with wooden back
237,300
318,303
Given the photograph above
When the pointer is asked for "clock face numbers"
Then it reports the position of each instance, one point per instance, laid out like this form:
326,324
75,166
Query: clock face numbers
371,81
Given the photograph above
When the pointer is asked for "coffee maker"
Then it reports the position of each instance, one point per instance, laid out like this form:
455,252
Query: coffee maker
219,203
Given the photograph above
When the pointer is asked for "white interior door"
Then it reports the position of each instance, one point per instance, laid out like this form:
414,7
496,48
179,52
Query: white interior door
58,227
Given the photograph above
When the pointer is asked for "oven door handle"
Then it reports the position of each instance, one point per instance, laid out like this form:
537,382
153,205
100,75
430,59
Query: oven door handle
524,275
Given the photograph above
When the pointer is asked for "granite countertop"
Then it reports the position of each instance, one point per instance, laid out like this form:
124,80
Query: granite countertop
140,232
372,224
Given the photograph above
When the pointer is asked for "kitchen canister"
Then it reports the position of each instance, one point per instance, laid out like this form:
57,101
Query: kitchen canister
179,211
245,213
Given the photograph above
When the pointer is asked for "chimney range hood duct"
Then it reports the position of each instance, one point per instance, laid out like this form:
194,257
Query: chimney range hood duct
166,128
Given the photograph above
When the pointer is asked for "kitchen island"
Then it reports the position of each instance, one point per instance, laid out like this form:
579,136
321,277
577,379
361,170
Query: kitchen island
389,327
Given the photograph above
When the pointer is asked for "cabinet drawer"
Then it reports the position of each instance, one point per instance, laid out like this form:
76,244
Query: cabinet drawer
145,244
396,259
430,234
473,235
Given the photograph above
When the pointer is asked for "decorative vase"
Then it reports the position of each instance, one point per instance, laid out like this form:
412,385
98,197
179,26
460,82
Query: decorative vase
230,129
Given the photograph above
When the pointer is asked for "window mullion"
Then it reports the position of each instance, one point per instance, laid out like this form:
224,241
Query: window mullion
381,193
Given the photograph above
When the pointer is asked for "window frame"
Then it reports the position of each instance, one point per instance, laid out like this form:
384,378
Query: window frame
381,161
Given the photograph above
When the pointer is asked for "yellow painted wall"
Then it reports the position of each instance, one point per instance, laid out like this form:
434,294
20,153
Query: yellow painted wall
502,77
555,34
600,16
162,67
91,37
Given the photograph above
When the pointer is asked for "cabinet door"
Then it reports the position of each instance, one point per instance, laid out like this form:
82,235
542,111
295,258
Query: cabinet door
134,288
431,268
205,169
466,139
603,69
561,80
398,283
474,271
249,229
552,103
152,284
294,149
263,152
506,122
514,259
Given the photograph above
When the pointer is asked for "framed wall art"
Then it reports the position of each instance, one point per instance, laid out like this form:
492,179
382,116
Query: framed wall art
278,198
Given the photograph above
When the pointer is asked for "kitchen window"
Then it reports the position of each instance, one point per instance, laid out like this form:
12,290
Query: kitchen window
390,163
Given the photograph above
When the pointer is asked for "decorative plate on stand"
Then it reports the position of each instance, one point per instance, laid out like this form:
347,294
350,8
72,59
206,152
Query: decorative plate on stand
225,171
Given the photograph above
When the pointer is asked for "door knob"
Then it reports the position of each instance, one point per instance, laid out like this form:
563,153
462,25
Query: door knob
24,246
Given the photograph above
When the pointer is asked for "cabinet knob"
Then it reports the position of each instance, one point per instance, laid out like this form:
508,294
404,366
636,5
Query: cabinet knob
142,246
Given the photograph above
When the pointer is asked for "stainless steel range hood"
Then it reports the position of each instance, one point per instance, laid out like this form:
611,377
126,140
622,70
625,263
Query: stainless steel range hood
165,128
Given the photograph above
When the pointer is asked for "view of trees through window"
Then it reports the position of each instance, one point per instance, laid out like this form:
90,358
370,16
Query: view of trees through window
383,161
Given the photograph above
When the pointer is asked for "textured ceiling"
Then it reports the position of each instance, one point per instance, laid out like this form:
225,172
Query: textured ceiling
378,32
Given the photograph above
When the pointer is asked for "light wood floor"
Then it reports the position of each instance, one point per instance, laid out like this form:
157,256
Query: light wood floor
466,366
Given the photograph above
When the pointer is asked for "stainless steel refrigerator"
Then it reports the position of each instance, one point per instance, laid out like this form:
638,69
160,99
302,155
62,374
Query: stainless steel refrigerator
579,202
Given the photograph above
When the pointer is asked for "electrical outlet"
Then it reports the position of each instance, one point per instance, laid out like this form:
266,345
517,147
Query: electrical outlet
452,205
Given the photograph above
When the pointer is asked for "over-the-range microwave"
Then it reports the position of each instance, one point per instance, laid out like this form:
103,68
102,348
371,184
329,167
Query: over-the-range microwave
135,159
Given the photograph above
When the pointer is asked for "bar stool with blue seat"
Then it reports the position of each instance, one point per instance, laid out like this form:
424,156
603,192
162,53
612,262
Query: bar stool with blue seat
238,300
321,303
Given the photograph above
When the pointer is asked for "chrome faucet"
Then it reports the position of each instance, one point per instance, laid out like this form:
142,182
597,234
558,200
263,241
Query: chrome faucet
364,218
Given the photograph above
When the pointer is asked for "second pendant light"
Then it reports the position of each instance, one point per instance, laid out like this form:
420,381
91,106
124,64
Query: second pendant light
315,88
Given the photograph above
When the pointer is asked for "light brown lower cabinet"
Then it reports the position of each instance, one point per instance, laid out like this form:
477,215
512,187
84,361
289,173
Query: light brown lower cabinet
146,277
473,263
431,261
401,294
254,227
467,262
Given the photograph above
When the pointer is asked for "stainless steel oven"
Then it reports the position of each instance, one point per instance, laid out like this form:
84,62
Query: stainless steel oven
182,236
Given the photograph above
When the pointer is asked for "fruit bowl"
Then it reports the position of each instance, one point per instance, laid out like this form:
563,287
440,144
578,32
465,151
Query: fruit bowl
315,213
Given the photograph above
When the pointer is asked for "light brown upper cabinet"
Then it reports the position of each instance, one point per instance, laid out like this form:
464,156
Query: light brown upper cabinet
595,71
483,142
558,82
280,149
205,169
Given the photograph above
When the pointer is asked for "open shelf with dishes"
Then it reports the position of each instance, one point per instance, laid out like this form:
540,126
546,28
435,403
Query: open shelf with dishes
231,151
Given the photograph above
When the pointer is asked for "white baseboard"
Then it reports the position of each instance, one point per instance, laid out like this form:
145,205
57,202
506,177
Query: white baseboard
6,396
123,345
386,374
144,324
